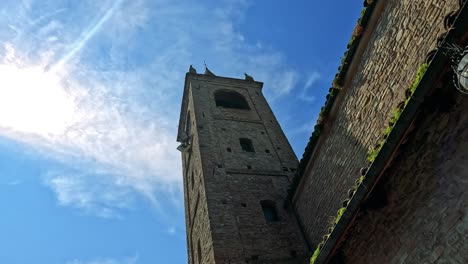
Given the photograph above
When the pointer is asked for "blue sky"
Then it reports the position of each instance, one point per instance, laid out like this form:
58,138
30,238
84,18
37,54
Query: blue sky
89,101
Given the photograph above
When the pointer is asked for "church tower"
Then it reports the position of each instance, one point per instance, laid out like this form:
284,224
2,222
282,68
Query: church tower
237,166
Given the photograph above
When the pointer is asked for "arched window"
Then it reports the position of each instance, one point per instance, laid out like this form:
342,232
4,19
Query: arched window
246,144
269,211
231,99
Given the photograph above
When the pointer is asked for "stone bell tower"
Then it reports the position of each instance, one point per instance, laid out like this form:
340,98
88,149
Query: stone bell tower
237,166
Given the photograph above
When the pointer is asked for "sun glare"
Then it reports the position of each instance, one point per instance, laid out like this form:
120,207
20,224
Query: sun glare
34,101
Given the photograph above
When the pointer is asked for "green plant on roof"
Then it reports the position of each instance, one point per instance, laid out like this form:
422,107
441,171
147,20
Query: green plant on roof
372,154
419,74
333,222
396,113
338,83
339,214
363,11
316,253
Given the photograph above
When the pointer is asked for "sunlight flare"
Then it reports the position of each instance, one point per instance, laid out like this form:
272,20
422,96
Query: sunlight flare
34,101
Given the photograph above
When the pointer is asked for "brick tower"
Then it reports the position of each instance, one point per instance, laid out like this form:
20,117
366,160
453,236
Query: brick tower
237,165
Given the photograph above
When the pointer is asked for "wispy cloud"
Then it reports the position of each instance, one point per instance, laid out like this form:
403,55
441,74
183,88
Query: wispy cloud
109,106
87,35
311,80
305,128
99,194
12,183
127,260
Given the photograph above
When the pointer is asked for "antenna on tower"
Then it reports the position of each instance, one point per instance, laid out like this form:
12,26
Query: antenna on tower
204,63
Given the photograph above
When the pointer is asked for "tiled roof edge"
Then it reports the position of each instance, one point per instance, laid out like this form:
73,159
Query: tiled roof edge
366,13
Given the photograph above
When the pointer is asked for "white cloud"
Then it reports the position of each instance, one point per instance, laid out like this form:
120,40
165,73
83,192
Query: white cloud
101,195
305,128
310,81
88,126
128,260
109,109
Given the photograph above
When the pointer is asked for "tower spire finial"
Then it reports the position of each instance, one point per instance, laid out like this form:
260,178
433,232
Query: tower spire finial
207,72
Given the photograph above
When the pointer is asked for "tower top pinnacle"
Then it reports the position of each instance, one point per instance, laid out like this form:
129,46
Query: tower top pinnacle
192,69
208,72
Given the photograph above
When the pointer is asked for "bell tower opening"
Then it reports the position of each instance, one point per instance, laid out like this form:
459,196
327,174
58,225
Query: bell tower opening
231,99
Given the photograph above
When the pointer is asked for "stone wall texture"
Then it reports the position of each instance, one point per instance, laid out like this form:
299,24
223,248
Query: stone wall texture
225,185
405,32
426,218
196,214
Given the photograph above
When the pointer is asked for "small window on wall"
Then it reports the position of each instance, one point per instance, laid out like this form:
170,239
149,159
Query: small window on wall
246,144
231,99
269,211
193,257
199,253
193,179
188,124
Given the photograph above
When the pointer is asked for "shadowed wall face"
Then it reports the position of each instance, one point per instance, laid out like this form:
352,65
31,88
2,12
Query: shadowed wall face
426,218
236,176
404,33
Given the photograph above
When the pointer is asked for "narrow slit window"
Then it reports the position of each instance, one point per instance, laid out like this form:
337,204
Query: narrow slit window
269,211
246,144
188,124
193,180
199,253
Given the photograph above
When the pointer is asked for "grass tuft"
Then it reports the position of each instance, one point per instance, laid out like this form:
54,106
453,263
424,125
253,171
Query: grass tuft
315,255
372,154
339,214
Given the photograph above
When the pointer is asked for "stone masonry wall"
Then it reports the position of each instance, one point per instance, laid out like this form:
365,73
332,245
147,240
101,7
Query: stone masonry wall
426,219
196,213
231,182
405,32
